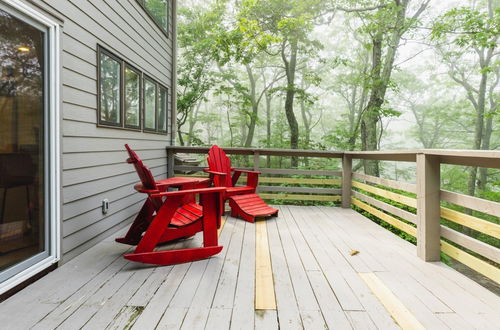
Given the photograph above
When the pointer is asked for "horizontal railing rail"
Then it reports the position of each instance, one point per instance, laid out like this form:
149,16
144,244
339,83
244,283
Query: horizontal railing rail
422,210
277,183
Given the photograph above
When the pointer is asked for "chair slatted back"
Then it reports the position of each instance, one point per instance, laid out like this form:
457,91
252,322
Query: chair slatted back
219,162
145,175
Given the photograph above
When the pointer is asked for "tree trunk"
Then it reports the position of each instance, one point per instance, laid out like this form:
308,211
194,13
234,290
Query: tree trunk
380,78
268,127
255,107
371,115
291,66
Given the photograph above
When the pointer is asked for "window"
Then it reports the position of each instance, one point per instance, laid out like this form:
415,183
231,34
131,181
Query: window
109,77
132,98
127,98
149,104
159,11
162,110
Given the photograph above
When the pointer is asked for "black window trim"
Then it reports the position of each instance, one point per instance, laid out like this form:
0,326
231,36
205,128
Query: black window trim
143,76
154,19
101,122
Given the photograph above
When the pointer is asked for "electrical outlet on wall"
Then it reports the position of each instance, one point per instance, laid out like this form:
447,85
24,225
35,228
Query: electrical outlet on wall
105,206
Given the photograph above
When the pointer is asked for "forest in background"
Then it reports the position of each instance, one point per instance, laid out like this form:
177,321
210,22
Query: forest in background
343,75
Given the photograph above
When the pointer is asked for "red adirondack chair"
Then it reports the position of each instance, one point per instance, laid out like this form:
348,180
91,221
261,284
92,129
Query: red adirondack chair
243,200
178,216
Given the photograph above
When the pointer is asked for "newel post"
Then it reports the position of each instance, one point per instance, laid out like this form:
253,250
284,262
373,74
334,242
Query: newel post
428,207
170,163
346,181
256,162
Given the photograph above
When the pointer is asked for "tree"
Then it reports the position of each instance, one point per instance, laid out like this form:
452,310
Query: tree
384,28
282,28
197,30
461,33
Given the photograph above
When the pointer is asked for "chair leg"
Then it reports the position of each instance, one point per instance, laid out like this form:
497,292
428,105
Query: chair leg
159,225
139,226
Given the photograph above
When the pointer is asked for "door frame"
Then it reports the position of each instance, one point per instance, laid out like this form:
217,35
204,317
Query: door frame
52,143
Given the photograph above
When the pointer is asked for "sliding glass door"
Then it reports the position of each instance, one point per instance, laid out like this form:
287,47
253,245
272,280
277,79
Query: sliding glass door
24,227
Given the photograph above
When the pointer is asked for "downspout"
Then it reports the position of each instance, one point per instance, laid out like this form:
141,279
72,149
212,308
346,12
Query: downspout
173,84
173,92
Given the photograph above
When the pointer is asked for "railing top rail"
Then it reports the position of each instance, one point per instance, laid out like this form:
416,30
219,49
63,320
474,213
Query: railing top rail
262,152
481,158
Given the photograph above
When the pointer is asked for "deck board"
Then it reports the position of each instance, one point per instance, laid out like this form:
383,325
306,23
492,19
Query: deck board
318,283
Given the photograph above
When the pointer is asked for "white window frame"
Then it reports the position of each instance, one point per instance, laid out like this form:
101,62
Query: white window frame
53,144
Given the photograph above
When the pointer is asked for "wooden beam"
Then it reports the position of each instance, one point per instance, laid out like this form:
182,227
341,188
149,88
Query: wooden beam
170,163
385,217
387,194
480,158
474,203
264,284
386,207
409,187
297,197
428,213
484,249
346,181
264,179
477,264
279,171
392,304
483,226
305,190
395,155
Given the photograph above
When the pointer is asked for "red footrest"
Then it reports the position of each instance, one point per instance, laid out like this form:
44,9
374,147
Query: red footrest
250,206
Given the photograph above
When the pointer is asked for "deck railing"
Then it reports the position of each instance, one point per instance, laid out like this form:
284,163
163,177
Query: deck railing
414,208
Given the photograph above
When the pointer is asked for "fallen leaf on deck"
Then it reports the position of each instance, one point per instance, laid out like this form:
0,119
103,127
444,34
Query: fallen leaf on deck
354,252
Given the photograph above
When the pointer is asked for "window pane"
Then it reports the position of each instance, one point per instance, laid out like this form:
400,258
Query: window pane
162,110
159,10
110,90
22,157
149,104
132,93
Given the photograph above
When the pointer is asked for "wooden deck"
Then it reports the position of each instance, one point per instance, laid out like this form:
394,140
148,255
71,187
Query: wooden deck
317,283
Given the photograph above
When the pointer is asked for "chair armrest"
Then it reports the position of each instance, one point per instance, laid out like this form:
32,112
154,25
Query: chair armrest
206,170
248,171
188,191
139,187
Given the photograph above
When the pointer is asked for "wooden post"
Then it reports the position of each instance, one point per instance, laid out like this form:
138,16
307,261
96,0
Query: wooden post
346,181
170,163
428,207
256,163
256,159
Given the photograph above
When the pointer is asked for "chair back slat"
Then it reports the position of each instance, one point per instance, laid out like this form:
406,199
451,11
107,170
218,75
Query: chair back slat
144,173
219,162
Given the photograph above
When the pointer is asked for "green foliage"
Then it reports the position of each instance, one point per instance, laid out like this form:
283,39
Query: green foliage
467,27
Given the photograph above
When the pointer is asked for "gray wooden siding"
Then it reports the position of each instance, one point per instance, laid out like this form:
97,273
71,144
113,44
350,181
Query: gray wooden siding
93,158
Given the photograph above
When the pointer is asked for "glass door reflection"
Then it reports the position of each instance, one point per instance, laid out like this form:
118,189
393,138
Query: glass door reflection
22,135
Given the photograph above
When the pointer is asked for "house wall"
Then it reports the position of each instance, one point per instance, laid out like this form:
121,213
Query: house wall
93,158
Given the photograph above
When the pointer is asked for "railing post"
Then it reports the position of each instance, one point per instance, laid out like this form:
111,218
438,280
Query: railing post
346,181
170,162
256,164
428,207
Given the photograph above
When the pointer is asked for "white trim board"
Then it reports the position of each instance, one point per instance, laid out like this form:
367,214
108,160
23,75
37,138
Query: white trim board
54,172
